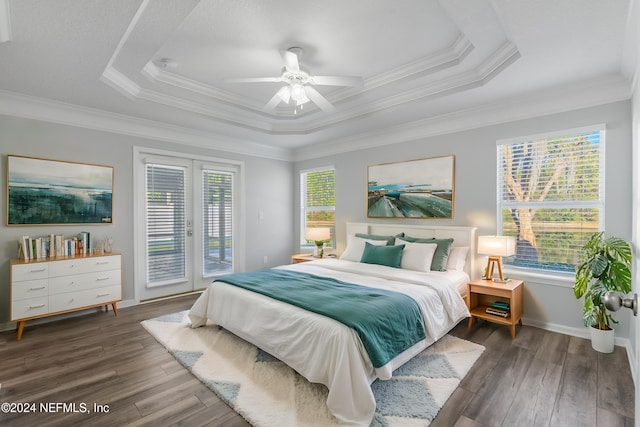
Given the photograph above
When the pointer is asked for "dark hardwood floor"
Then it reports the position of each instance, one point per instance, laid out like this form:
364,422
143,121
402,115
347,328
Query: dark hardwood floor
539,379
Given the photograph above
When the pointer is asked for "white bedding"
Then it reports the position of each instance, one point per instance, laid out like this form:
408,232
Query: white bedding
322,349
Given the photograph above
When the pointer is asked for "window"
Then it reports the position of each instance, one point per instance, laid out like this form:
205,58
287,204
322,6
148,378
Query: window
551,195
318,201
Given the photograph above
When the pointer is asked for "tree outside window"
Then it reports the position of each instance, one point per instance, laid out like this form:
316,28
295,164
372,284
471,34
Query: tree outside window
551,195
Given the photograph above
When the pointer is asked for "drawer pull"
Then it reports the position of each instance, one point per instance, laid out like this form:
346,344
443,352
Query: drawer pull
99,279
39,270
102,263
103,295
36,306
37,289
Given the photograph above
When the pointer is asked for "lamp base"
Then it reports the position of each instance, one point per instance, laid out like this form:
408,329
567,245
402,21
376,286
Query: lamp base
491,263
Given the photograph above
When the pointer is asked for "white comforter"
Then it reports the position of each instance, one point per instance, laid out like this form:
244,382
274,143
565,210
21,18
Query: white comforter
322,349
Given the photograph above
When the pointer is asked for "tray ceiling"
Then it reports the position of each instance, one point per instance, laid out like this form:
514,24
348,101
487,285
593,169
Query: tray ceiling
424,64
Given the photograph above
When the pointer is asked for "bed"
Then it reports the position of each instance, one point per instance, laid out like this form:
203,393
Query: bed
323,349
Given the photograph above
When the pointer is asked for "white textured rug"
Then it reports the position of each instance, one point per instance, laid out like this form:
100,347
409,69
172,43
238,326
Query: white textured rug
268,393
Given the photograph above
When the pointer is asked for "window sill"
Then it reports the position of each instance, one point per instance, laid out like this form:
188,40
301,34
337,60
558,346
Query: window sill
552,278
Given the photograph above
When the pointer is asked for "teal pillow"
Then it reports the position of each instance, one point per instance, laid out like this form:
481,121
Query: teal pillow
441,256
391,240
391,256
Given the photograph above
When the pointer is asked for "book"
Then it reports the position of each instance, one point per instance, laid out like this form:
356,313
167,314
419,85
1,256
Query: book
497,312
500,305
24,243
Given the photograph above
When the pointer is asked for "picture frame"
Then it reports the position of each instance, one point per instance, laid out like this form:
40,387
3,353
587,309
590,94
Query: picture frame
56,192
422,188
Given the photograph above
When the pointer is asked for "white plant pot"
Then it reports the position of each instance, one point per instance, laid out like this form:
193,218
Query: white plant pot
602,341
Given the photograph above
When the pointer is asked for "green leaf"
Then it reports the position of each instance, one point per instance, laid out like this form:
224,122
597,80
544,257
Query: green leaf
599,265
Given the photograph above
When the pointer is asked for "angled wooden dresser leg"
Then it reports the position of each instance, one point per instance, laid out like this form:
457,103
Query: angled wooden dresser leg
20,329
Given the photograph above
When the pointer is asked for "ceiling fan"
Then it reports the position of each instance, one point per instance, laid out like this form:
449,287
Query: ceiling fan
299,89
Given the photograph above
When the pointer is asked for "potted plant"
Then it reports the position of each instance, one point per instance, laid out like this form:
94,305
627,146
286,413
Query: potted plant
605,265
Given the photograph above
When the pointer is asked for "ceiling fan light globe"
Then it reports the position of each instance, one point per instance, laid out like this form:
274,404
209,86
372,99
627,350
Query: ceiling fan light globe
297,92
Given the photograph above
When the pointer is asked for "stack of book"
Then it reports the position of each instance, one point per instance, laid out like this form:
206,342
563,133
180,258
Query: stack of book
499,308
52,246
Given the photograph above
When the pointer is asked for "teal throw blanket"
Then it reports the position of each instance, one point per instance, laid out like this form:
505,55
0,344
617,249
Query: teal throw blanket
387,322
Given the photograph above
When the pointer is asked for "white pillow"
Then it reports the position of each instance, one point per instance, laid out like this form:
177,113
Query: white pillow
457,258
417,256
355,247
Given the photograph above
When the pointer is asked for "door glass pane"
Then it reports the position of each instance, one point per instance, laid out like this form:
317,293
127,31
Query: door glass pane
165,190
217,204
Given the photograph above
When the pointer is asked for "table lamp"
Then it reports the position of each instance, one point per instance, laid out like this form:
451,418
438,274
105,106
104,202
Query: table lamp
319,235
496,247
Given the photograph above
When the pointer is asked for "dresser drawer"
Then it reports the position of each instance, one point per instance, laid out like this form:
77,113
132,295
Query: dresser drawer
38,270
29,289
84,265
29,308
85,298
79,282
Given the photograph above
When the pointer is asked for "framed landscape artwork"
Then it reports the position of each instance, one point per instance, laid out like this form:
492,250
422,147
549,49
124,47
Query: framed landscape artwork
41,191
414,189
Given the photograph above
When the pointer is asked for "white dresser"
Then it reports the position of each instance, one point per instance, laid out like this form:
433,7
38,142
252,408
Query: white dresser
51,286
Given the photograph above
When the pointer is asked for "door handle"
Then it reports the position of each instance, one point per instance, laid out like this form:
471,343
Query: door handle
613,301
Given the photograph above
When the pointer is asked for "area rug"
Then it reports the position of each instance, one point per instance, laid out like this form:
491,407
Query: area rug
267,393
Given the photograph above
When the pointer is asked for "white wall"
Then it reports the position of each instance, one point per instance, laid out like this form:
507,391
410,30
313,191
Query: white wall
549,302
268,183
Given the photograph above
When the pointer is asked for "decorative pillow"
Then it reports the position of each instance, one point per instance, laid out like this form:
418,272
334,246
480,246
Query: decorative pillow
355,248
457,258
439,262
390,239
391,256
417,256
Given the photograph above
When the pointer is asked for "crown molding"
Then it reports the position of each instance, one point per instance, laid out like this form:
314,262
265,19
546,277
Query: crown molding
446,58
157,75
491,66
553,101
5,22
28,107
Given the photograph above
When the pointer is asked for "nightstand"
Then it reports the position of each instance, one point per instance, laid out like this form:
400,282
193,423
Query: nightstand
295,259
482,293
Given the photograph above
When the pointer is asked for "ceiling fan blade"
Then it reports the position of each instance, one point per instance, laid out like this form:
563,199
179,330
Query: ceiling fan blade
337,81
319,100
254,80
273,103
290,61
283,95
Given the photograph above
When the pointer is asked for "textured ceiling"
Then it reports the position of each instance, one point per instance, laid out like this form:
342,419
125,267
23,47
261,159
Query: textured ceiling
427,66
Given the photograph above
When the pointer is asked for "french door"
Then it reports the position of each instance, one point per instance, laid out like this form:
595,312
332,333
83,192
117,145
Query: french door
185,223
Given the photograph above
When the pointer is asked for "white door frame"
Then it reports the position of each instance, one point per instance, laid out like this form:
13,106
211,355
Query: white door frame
139,153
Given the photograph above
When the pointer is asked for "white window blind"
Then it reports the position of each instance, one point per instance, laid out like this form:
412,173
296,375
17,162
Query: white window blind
551,195
217,224
165,210
318,200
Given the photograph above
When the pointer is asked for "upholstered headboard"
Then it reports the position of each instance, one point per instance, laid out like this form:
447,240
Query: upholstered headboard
462,236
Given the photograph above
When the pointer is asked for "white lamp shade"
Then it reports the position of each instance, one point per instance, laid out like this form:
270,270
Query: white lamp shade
319,233
496,245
